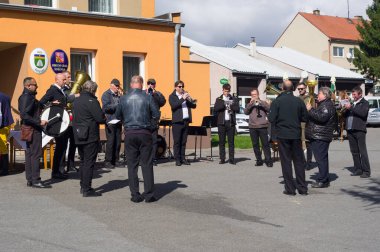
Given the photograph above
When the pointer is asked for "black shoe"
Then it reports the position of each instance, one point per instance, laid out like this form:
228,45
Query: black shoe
91,193
29,184
365,175
185,162
269,163
302,193
178,163
150,200
154,162
40,185
137,198
59,176
289,193
308,166
259,163
231,161
222,161
320,184
357,173
108,165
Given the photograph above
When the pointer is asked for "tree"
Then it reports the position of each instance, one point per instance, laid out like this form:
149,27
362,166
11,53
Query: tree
367,58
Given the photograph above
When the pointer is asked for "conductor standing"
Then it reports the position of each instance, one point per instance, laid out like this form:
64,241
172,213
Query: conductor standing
137,110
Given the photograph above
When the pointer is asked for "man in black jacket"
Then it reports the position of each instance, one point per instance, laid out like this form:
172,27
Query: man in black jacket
87,115
226,108
110,101
286,114
181,104
29,108
55,95
356,120
160,101
136,110
319,131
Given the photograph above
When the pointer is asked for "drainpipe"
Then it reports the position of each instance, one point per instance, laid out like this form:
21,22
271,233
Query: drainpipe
329,50
176,51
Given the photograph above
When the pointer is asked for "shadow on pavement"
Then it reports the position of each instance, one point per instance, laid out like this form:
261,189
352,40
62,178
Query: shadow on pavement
112,185
332,176
369,194
161,190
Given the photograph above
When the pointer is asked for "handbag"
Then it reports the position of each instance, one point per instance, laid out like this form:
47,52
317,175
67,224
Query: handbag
82,132
27,133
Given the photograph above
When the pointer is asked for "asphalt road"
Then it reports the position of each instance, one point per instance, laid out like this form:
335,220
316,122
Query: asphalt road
202,207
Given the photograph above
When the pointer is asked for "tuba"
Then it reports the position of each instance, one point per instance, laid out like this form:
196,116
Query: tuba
270,89
311,84
80,79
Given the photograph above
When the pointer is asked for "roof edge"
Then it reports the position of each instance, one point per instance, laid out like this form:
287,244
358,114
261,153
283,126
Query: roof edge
46,10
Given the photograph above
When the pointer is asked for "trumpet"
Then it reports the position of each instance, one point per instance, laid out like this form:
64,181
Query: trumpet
189,98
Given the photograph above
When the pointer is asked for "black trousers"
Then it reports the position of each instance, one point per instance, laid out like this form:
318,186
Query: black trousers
138,151
33,154
72,148
180,132
59,153
89,153
262,134
358,147
321,154
309,152
226,130
113,134
291,150
154,144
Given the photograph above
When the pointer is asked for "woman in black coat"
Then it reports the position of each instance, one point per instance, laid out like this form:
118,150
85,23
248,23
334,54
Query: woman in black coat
319,131
87,115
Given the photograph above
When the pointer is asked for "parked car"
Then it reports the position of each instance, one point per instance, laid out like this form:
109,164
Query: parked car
242,122
374,102
374,117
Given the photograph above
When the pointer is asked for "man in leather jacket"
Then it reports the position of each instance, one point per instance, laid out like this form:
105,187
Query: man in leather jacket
319,131
356,120
136,110
30,109
226,108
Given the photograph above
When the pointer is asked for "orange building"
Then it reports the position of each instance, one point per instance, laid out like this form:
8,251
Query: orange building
106,46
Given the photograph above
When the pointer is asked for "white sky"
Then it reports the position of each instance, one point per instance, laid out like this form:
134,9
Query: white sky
227,22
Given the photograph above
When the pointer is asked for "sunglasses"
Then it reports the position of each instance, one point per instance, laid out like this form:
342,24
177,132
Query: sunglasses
300,89
151,83
180,86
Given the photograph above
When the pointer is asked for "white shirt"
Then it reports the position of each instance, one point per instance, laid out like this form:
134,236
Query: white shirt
226,114
185,110
356,102
55,84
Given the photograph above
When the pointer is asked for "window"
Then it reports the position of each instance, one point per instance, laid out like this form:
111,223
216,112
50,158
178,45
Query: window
47,3
351,51
103,6
338,51
132,65
82,61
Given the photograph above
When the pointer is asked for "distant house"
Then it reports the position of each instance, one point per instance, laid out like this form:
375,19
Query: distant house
329,38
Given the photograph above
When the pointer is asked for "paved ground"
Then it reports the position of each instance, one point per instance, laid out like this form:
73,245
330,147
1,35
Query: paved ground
202,207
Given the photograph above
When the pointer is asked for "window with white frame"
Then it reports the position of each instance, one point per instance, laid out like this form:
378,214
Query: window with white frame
82,61
46,3
133,64
338,51
352,52
103,6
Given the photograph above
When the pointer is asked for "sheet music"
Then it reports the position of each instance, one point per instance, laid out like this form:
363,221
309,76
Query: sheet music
114,121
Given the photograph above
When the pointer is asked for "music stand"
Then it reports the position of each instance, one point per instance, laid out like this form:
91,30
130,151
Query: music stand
167,122
209,122
197,131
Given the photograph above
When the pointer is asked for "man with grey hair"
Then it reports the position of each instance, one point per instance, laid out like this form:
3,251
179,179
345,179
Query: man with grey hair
137,111
87,115
286,114
319,131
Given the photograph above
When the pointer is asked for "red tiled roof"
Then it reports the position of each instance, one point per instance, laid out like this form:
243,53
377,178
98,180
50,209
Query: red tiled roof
334,27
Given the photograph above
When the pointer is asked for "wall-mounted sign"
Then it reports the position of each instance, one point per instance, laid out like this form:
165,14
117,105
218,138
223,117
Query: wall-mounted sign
59,61
38,60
